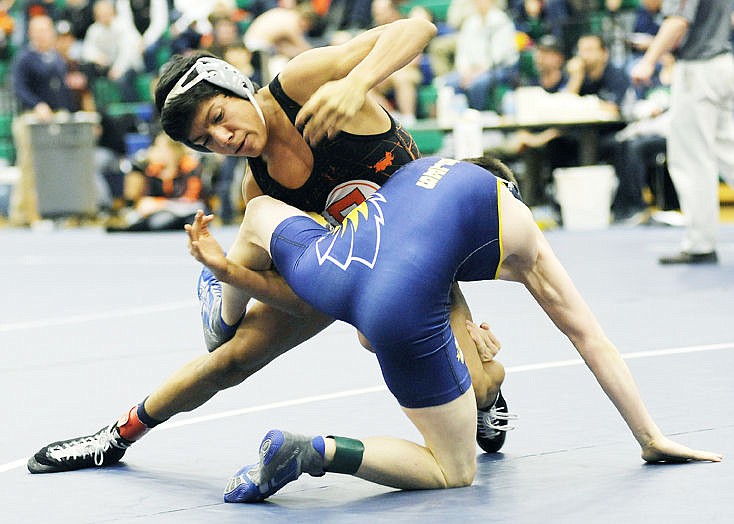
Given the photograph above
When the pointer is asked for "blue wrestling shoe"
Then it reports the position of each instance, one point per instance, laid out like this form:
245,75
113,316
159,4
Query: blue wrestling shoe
283,457
493,425
209,291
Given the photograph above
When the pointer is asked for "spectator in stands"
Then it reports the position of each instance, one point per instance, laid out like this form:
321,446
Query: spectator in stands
530,17
148,19
33,8
641,144
442,49
7,27
648,18
347,15
108,176
545,150
278,35
114,50
163,189
591,73
569,19
77,78
486,55
39,77
191,22
258,7
80,14
225,34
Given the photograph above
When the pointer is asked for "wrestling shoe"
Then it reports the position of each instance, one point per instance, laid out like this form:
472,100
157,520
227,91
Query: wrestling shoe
103,448
493,425
283,457
209,291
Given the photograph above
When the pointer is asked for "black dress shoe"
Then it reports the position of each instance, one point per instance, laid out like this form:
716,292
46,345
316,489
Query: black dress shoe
690,258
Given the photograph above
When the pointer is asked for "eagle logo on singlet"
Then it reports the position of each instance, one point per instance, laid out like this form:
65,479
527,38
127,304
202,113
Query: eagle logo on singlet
340,247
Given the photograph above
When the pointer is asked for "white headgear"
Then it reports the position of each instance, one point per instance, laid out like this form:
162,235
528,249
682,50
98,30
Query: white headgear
219,73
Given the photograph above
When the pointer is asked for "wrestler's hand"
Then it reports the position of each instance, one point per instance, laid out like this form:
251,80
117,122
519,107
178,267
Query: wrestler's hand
665,450
487,344
330,108
204,247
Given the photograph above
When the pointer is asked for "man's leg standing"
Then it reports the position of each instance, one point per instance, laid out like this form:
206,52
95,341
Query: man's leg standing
725,127
691,158
264,334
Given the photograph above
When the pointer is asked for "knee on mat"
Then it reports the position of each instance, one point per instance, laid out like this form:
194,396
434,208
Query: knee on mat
462,475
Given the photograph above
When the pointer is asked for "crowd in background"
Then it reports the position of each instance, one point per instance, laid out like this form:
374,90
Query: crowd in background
103,56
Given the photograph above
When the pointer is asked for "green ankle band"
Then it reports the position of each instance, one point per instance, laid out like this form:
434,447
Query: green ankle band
348,455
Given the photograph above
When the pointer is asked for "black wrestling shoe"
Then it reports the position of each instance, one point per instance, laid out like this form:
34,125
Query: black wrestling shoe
690,258
104,448
493,425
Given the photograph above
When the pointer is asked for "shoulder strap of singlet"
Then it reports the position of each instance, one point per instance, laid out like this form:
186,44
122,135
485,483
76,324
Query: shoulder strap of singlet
290,106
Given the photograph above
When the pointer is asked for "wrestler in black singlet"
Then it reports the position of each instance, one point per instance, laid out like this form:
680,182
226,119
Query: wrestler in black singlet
346,170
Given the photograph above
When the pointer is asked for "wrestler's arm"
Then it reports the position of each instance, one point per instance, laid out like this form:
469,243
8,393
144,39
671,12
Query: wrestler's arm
256,277
332,82
530,260
552,287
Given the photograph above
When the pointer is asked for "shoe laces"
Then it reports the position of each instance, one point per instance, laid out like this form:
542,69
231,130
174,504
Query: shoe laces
92,445
494,419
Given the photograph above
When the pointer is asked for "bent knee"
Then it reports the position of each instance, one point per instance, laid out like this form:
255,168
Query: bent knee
462,475
235,361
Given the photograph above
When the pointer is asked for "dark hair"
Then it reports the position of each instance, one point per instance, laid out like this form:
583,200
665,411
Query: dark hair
498,169
178,115
494,166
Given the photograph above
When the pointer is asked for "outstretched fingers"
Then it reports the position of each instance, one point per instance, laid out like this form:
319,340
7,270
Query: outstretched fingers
198,231
668,451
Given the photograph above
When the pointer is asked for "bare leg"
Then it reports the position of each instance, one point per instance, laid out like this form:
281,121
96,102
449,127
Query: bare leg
447,460
234,300
264,334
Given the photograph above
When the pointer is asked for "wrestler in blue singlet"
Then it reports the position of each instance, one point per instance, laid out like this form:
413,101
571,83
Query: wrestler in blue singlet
389,267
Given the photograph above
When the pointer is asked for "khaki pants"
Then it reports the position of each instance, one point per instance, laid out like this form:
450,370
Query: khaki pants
701,144
24,199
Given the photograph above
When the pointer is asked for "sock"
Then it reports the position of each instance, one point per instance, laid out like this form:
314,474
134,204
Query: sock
228,329
136,423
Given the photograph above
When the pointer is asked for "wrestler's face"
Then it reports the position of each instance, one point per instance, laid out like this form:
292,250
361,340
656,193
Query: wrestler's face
228,125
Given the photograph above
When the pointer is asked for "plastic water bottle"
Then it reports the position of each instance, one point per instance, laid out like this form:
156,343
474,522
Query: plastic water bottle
444,107
468,135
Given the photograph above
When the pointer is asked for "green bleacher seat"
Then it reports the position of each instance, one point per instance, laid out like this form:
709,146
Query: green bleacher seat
427,96
105,92
6,125
143,86
7,150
